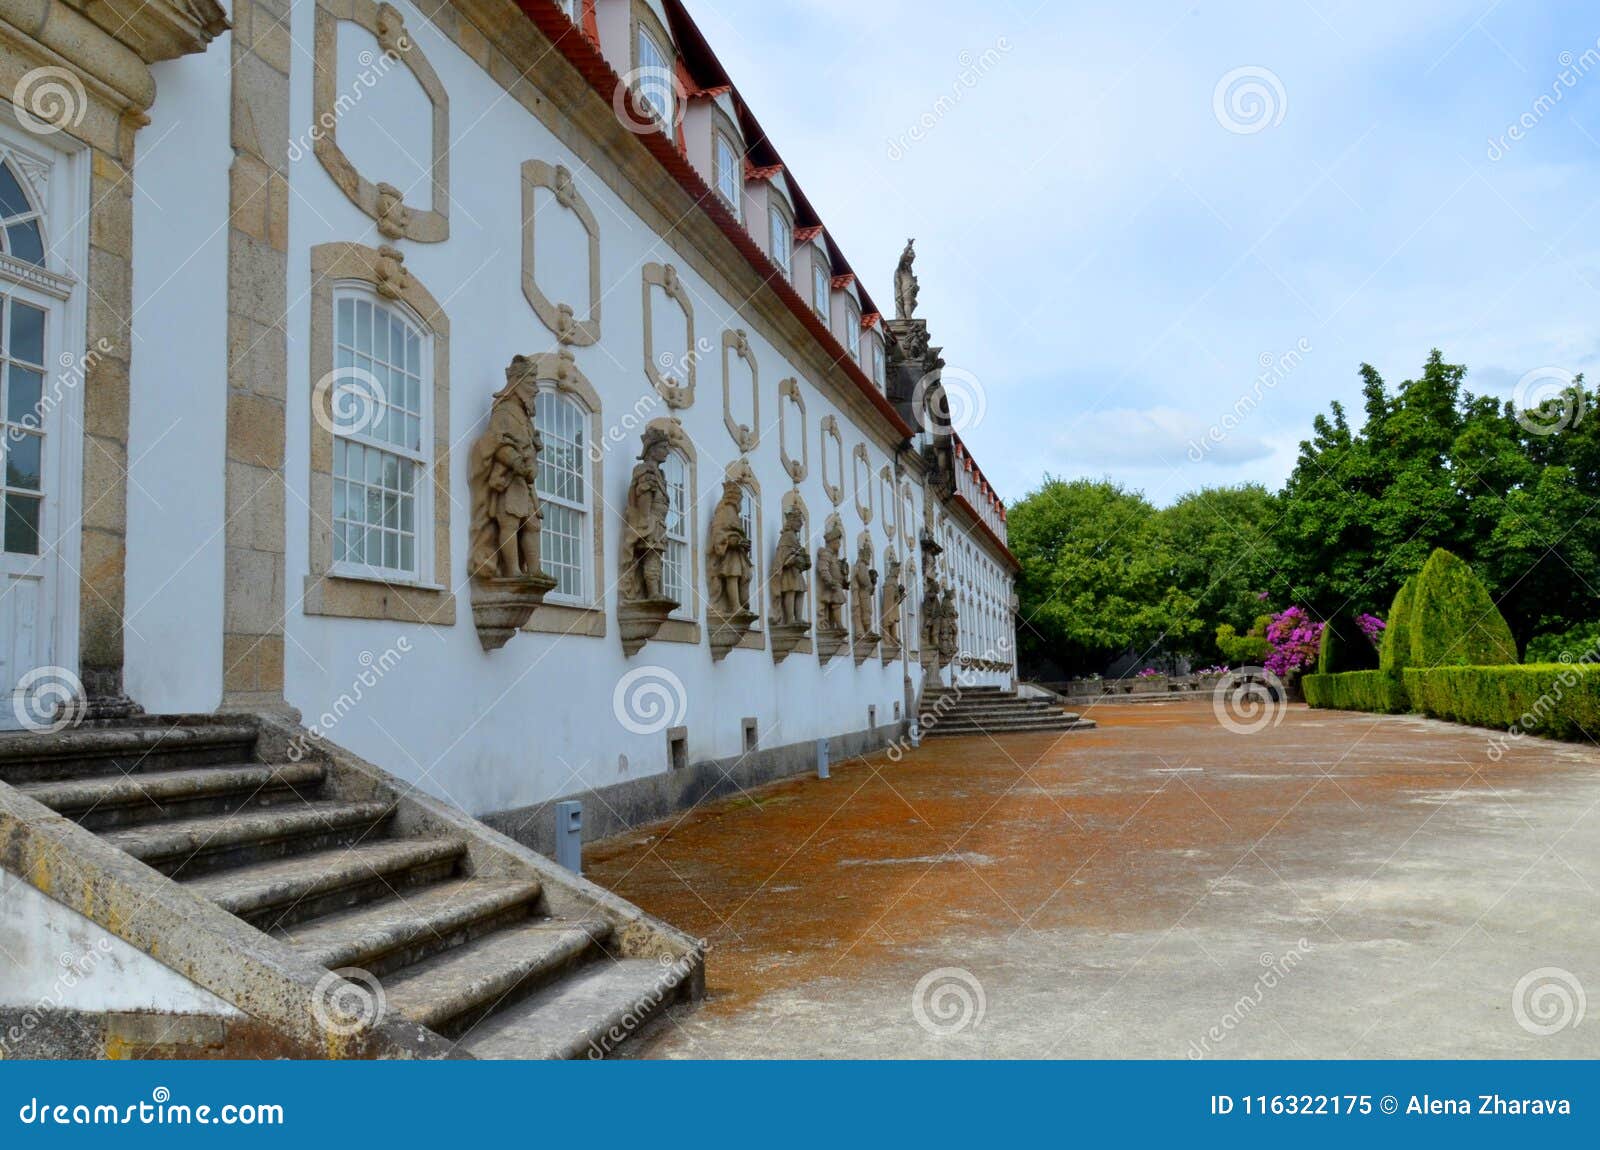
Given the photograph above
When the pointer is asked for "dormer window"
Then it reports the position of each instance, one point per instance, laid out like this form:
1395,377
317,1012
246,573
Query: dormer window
780,237
852,330
821,283
653,83
725,162
879,374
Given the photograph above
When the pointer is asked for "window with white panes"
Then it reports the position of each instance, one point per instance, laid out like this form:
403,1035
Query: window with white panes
382,442
747,520
879,373
725,161
22,355
21,223
821,283
852,331
654,79
564,541
675,568
780,236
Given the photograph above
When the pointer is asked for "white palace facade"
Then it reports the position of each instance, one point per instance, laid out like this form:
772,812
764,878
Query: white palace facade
287,284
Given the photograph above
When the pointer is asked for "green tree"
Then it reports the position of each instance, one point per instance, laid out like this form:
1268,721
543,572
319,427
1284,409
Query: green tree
1221,553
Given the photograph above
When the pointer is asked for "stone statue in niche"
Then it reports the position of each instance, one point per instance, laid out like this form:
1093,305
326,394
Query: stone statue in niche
730,564
905,283
508,579
863,597
393,215
949,640
894,594
929,633
833,577
793,562
643,602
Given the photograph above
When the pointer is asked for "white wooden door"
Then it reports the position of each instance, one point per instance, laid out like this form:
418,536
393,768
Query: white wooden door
34,376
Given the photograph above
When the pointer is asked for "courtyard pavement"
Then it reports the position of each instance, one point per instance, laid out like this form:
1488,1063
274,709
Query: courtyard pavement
1336,885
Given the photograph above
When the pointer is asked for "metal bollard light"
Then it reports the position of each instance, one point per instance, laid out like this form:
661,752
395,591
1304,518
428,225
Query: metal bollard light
569,836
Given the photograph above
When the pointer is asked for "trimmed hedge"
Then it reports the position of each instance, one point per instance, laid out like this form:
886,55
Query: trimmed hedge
1344,647
1453,621
1376,691
1550,700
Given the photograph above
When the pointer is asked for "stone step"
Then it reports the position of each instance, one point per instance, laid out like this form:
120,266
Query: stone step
214,842
303,887
29,757
102,801
451,991
583,1016
385,936
971,708
1009,728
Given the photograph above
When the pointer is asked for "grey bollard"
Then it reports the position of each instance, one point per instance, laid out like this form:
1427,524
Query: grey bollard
822,758
569,836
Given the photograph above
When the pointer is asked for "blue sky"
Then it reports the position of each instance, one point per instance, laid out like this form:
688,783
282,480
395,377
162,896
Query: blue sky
1114,265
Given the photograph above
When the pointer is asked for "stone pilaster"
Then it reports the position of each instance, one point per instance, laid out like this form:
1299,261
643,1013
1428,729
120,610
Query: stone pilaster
258,240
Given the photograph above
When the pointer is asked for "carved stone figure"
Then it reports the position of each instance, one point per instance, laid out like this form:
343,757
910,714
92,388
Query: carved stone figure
930,610
792,563
392,278
729,564
905,284
504,471
392,36
508,580
393,215
894,594
644,539
833,579
949,626
864,589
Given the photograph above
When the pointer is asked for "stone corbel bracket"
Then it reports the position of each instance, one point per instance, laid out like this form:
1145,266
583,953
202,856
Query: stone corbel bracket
834,487
383,202
677,395
735,343
560,318
860,461
789,395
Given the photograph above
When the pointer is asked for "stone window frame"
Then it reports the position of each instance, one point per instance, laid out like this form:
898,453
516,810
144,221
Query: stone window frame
557,371
746,436
862,457
560,317
830,430
346,596
791,394
667,278
685,628
885,482
740,472
387,25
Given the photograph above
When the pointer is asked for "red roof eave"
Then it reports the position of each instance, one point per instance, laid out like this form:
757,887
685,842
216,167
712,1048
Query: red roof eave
1016,565
591,65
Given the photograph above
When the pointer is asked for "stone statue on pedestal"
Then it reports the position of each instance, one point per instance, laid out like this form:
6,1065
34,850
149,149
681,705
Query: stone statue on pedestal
894,593
793,562
644,540
833,579
729,562
905,284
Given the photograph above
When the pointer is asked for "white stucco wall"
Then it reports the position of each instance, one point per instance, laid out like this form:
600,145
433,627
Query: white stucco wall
179,389
55,959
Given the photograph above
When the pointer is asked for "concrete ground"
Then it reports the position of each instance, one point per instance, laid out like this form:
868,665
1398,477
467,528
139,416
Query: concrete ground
1337,885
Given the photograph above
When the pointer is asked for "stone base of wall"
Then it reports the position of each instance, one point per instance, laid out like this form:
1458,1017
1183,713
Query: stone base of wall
622,807
37,1033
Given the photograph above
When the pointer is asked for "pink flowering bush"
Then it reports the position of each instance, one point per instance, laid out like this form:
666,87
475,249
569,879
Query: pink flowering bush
1295,639
1148,673
1372,627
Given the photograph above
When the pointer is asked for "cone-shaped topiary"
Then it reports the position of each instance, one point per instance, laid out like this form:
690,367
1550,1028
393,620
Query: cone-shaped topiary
1395,650
1454,622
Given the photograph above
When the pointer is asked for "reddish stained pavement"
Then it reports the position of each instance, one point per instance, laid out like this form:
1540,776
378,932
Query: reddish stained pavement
1051,861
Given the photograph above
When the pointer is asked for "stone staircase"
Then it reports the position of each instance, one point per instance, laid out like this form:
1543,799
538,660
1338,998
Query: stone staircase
992,711
485,945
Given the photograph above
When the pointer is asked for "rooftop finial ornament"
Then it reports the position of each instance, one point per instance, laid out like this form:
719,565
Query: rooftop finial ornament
905,283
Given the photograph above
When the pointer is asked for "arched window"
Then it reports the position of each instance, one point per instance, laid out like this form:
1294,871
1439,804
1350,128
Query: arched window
852,330
21,222
676,572
565,546
381,393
